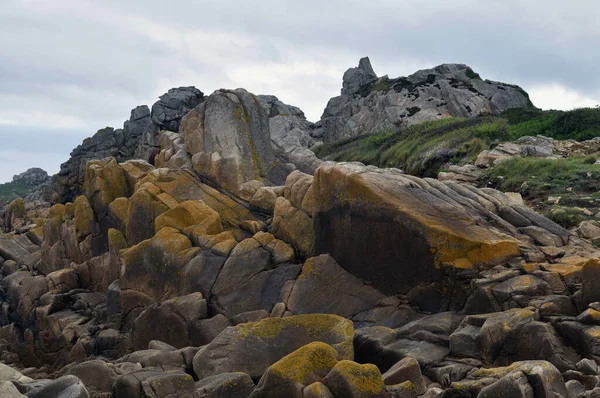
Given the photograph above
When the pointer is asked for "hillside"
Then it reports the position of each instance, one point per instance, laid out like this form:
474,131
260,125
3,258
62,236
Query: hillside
427,148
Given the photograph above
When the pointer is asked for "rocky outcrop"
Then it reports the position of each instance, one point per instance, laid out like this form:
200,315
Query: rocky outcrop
369,104
32,177
174,105
290,134
227,136
138,139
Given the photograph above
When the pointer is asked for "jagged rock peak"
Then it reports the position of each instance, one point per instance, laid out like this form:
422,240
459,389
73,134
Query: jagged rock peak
32,177
355,78
174,105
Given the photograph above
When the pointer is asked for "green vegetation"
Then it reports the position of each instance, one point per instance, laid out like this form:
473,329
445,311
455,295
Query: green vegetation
11,191
471,74
579,124
422,149
564,190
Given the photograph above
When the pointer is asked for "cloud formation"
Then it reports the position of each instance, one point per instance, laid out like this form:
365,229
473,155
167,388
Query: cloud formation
70,67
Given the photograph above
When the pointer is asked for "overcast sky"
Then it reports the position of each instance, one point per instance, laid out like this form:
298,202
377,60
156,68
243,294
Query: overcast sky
71,67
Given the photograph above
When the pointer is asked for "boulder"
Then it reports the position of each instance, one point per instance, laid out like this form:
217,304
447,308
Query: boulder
350,379
104,182
95,374
173,152
290,375
228,136
195,214
230,385
63,387
325,287
253,347
154,266
407,369
403,230
290,134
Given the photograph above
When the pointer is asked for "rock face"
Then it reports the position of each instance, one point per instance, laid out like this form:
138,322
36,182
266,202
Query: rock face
174,105
369,104
227,136
290,134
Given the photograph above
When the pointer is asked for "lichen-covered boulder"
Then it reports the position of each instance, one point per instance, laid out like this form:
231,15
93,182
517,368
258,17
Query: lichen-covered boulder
195,214
154,266
253,347
104,182
402,227
290,375
350,379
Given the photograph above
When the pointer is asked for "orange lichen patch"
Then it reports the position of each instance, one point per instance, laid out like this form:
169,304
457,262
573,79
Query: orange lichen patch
105,180
308,364
116,240
168,200
574,260
525,367
194,213
448,246
529,268
463,263
57,212
564,270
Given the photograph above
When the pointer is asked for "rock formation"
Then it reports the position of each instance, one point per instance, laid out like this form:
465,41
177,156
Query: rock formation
369,104
139,139
224,270
32,177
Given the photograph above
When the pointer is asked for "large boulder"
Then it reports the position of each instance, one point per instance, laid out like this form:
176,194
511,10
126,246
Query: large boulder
290,375
228,136
403,229
253,347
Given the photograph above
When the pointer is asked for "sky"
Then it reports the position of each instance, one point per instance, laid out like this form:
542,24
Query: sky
71,67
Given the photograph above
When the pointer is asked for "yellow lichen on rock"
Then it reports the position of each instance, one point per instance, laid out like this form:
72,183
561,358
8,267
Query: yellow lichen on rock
84,217
308,364
310,325
351,379
192,213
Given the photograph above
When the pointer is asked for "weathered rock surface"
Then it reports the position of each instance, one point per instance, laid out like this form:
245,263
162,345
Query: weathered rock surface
227,136
290,134
369,104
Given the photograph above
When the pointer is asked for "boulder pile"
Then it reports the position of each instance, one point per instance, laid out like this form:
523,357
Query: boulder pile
231,263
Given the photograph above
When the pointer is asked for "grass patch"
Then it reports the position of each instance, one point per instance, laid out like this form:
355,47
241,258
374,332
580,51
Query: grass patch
422,149
579,124
471,74
11,191
542,176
